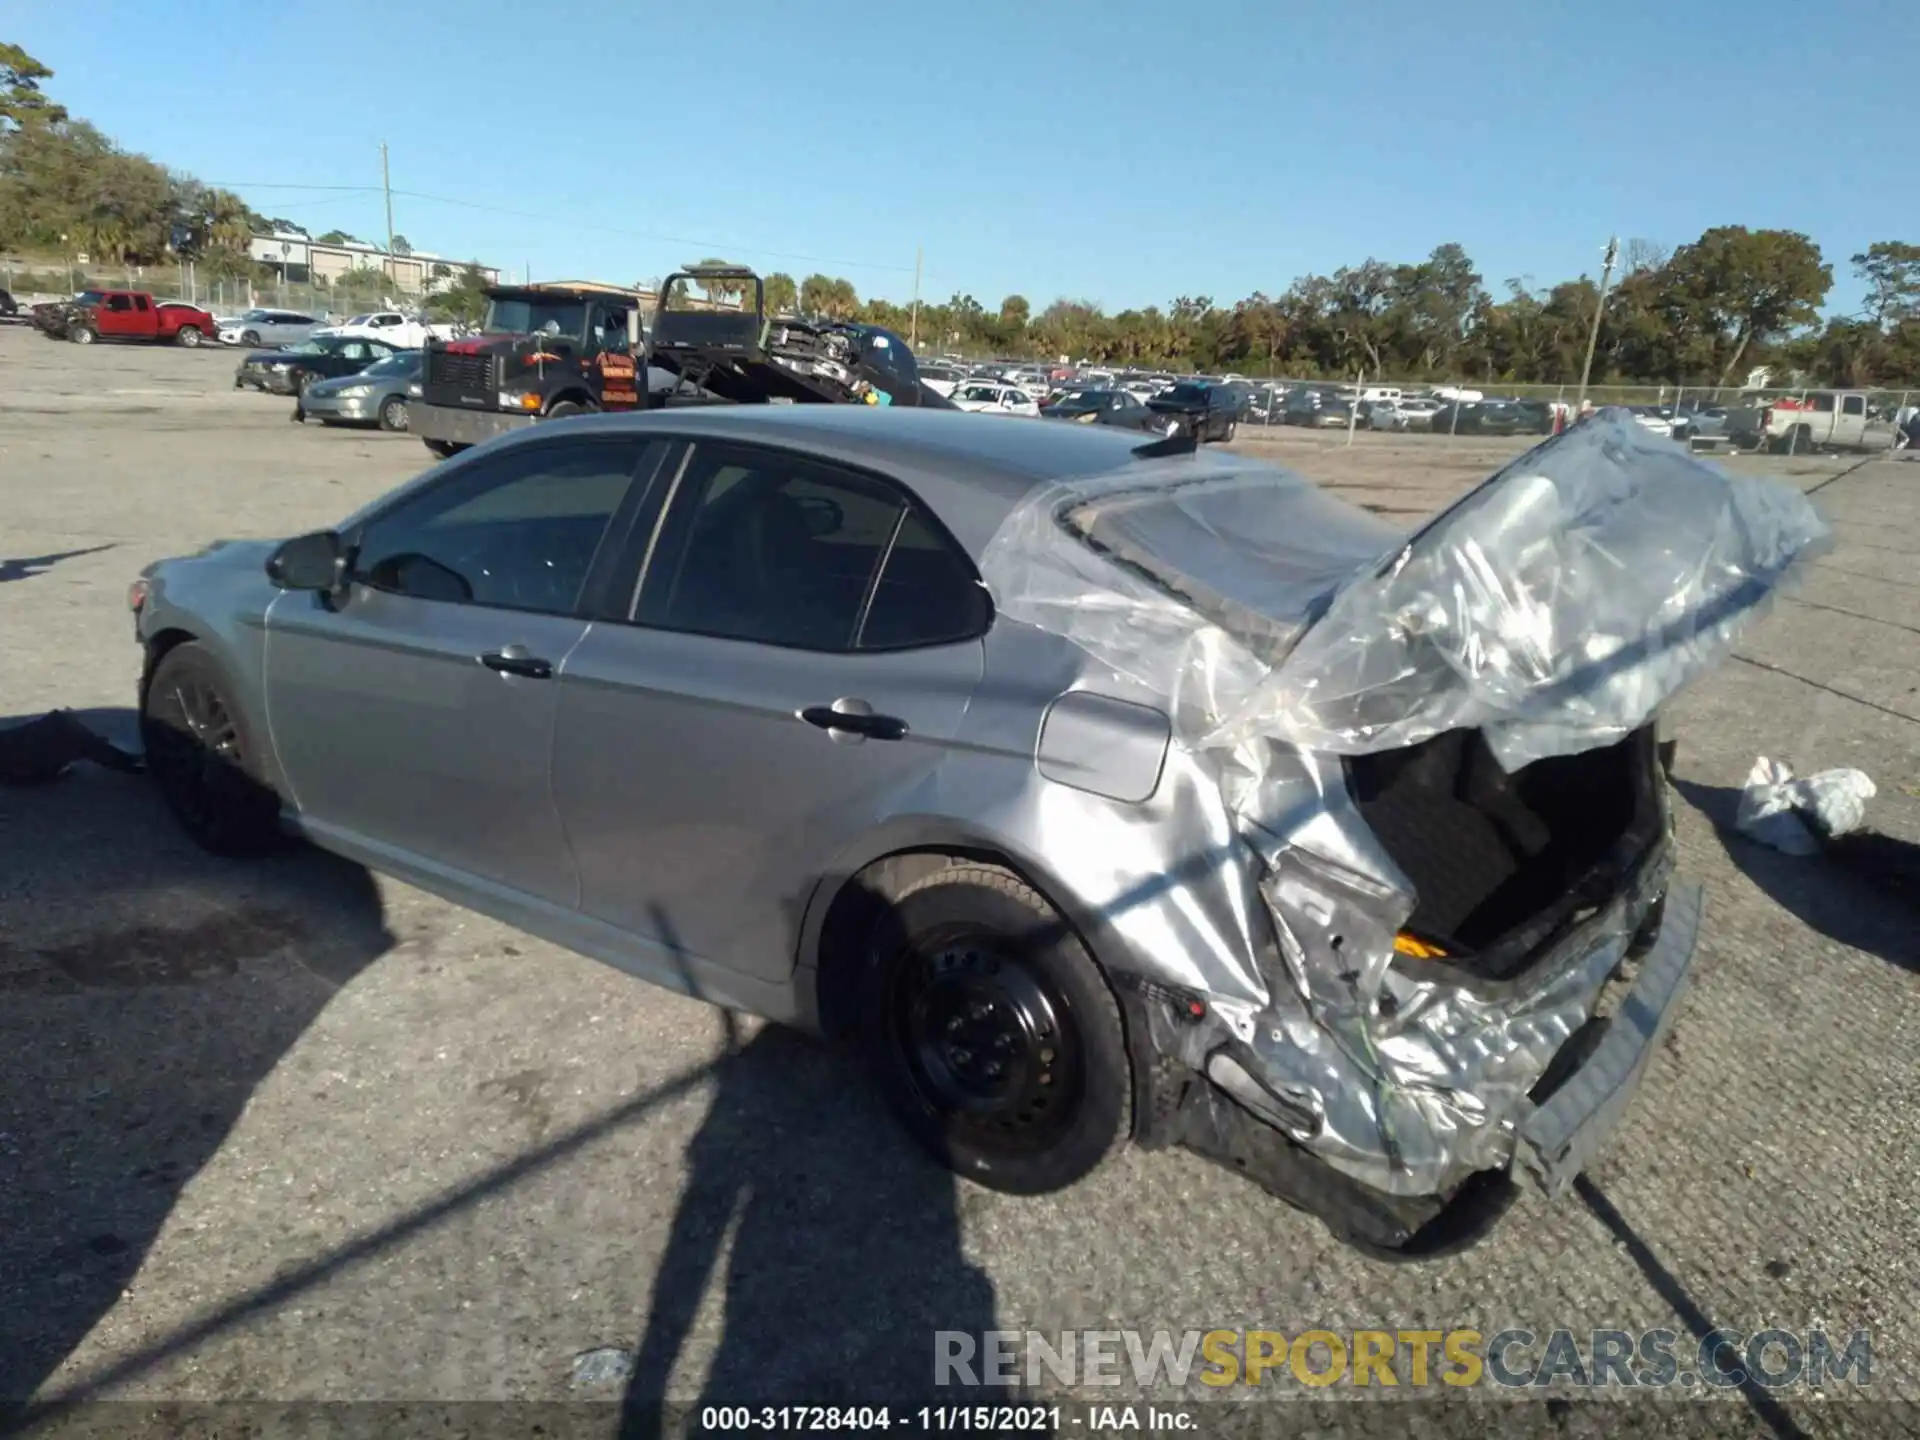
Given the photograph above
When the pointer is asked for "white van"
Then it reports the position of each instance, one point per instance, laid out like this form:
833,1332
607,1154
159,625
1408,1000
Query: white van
1381,392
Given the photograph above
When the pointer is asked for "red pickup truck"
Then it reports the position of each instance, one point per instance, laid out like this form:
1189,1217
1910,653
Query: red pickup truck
123,315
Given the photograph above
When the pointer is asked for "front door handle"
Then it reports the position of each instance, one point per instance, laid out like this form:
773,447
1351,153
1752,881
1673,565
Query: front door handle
514,660
855,717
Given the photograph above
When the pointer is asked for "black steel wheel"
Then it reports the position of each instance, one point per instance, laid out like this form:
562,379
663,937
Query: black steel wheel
201,756
993,1034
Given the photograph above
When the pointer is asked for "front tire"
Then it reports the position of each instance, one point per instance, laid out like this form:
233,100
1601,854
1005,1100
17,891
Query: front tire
250,339
393,414
81,335
562,409
992,1034
189,336
203,757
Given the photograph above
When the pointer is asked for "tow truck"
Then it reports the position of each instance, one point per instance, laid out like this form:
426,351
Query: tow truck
546,352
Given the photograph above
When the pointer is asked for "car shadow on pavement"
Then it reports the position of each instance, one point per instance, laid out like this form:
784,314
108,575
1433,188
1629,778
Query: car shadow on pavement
1767,1409
836,1241
146,988
1861,890
27,566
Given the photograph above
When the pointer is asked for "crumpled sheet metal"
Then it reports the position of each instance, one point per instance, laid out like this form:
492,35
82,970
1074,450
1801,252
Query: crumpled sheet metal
1556,607
1413,1084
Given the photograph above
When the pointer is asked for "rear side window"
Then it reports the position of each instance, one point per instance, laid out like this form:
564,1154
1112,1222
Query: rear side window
1823,404
777,549
928,593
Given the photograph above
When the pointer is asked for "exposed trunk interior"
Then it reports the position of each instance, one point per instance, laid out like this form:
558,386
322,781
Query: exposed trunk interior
1500,861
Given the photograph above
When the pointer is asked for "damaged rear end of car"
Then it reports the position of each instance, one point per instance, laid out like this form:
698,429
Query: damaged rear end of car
1437,762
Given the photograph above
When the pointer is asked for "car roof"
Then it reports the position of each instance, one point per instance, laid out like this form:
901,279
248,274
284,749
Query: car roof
971,470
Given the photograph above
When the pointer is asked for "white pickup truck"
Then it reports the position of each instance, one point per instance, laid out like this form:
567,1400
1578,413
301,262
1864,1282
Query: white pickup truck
1801,423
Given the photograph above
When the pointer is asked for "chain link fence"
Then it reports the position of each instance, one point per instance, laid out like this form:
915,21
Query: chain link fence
31,281
1706,416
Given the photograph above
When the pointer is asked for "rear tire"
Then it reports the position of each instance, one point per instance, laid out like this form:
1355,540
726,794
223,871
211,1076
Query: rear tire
203,758
189,336
992,1034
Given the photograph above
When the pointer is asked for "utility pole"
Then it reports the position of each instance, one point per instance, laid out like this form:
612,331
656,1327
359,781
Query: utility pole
1593,335
913,339
386,184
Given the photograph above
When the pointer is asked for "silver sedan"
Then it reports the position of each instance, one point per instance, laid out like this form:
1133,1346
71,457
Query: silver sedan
376,396
885,724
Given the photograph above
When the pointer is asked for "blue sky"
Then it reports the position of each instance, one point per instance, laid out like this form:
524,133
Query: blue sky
1124,152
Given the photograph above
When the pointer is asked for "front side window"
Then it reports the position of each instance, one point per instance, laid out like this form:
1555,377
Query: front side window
1854,405
118,303
764,546
515,531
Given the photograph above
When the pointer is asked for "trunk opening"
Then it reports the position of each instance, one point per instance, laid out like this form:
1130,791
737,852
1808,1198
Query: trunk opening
1499,862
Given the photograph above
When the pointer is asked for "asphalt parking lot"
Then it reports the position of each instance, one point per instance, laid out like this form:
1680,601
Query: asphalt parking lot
288,1131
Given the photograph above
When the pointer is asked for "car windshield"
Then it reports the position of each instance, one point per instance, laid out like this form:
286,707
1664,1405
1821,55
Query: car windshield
401,362
89,297
1187,392
1086,397
255,315
536,317
323,346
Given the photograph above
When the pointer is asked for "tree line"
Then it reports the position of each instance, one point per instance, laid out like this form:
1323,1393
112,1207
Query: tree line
1704,313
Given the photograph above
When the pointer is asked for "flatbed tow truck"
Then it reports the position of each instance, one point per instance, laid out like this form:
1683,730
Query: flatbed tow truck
549,351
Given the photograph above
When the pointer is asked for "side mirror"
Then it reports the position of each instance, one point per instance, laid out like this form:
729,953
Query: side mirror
308,562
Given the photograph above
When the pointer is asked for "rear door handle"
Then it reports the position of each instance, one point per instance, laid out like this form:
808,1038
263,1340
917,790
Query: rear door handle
855,717
514,660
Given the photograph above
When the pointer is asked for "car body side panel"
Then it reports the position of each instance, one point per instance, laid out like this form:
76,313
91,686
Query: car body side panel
1179,914
390,732
699,805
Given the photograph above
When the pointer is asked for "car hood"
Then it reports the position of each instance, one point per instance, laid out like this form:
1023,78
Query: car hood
1555,607
222,554
325,388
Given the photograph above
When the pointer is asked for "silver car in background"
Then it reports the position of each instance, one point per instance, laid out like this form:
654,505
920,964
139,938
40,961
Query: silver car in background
267,329
376,396
1014,757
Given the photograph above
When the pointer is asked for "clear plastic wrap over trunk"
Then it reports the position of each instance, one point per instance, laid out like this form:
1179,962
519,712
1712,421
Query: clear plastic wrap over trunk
1555,607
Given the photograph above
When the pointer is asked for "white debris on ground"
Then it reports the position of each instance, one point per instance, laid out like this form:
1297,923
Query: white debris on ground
1792,815
599,1369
